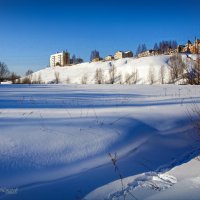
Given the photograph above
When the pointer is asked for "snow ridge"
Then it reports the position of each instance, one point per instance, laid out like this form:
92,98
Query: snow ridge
151,180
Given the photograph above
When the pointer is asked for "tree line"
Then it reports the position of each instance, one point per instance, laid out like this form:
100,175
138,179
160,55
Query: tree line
163,46
7,75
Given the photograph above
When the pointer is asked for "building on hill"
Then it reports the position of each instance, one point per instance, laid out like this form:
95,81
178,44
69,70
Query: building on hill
60,59
150,53
197,46
171,51
97,59
180,48
190,47
119,55
122,54
158,52
109,58
146,53
128,54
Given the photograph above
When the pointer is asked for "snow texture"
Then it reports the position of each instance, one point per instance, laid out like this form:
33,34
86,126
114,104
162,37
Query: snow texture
55,139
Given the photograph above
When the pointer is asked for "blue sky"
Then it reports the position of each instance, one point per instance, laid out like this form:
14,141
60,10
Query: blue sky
32,30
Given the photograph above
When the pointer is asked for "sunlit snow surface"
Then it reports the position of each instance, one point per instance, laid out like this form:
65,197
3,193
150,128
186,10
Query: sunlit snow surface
55,139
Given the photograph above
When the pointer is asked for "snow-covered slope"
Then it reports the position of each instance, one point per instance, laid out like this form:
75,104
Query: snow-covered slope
75,73
180,183
55,139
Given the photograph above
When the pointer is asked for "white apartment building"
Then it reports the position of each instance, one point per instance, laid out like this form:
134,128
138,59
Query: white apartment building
60,59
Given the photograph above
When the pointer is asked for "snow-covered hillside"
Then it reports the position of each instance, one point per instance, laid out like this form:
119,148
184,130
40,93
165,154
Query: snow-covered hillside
75,73
55,139
84,73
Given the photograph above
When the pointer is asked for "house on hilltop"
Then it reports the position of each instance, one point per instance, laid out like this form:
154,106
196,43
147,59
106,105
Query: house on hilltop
197,46
60,59
128,54
122,54
150,53
189,47
119,55
109,58
180,48
97,59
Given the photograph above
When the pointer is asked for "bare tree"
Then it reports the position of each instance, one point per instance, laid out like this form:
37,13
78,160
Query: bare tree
197,71
26,80
39,79
119,78
151,75
162,73
84,79
18,81
193,71
177,67
127,78
57,77
4,72
99,76
94,54
29,72
14,77
132,78
112,74
68,80
34,79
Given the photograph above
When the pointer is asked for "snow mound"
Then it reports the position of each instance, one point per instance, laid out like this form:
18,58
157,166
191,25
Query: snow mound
150,180
181,182
74,74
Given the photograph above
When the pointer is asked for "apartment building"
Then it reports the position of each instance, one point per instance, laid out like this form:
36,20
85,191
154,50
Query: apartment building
60,59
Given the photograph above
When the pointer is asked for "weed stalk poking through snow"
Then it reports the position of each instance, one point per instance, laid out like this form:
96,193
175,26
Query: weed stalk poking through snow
117,170
114,163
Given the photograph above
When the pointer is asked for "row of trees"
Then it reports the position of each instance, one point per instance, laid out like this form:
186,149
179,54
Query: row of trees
187,71
114,77
141,48
4,72
76,60
184,72
179,70
94,54
164,46
6,75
